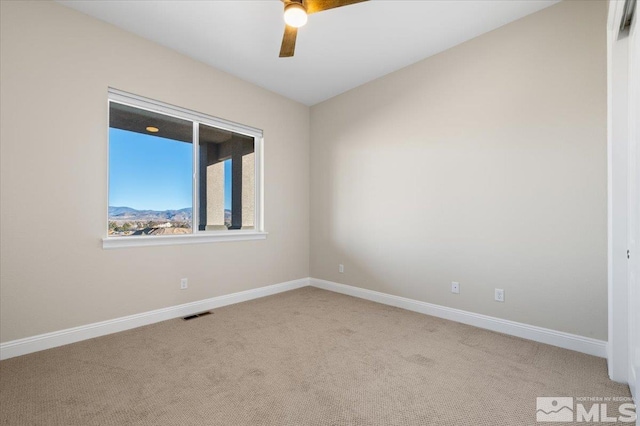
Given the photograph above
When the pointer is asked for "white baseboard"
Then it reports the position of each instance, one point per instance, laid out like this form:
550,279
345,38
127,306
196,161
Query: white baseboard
71,335
543,335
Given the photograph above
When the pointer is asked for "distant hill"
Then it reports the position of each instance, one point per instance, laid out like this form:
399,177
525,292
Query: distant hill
133,215
129,214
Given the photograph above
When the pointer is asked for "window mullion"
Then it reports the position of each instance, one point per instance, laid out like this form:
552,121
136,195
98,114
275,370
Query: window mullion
196,189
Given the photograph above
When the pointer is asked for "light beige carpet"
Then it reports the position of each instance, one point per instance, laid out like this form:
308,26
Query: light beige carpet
305,357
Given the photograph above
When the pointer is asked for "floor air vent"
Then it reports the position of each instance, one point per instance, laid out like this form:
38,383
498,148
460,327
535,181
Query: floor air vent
202,314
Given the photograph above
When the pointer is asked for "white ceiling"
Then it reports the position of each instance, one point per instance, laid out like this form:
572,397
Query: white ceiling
337,50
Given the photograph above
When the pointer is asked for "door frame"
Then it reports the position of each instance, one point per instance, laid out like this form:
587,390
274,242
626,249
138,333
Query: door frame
623,66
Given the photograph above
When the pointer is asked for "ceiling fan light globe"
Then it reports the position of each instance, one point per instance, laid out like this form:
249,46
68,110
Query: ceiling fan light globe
295,15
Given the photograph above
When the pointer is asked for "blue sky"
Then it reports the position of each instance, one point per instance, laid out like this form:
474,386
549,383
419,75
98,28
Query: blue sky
152,173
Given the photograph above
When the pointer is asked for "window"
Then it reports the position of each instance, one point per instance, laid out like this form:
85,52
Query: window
177,176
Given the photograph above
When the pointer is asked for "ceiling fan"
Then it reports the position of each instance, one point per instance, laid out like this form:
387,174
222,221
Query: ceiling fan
295,16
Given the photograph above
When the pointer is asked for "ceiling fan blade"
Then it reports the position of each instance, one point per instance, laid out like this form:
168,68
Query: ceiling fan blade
288,41
314,6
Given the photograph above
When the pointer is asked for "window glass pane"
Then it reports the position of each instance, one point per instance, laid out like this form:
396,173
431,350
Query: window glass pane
226,180
150,173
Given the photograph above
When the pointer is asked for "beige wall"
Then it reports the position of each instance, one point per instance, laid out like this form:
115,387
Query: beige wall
485,164
56,65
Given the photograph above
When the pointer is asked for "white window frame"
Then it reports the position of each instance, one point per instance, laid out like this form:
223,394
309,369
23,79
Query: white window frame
196,236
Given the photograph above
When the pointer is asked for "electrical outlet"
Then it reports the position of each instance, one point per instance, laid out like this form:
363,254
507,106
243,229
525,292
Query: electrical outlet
184,284
499,295
341,268
455,287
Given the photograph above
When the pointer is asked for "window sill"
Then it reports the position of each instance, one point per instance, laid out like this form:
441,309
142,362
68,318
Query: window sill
170,240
